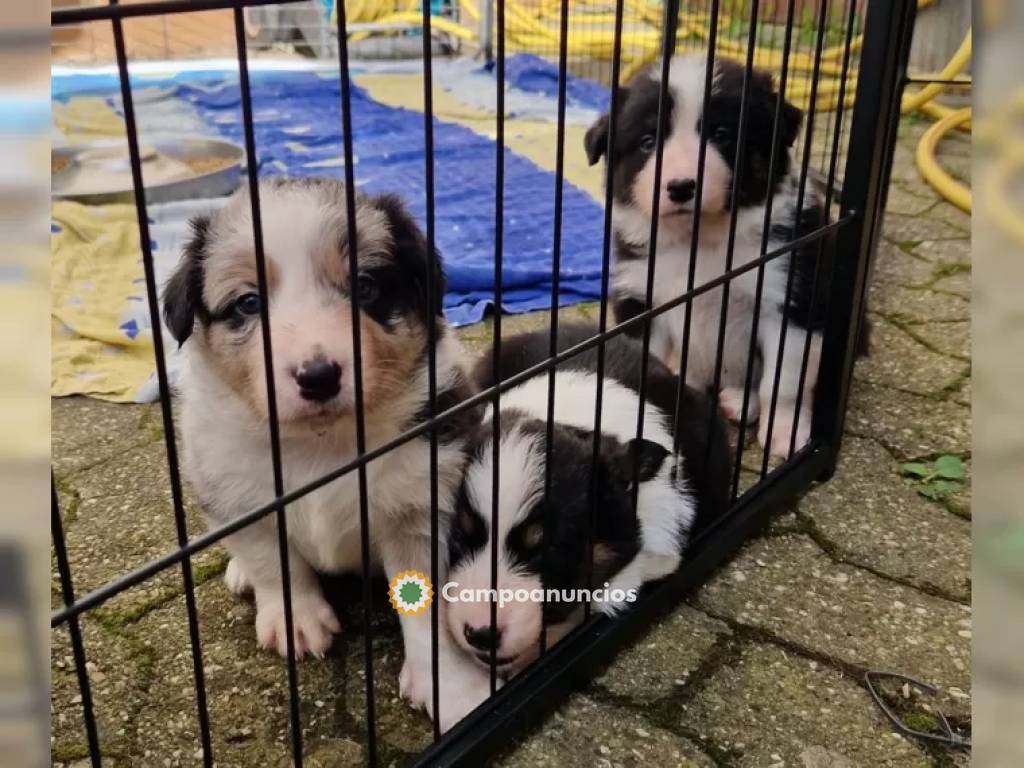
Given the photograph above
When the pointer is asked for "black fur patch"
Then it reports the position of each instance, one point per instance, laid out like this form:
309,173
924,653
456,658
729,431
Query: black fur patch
806,301
709,475
637,119
565,514
403,284
460,425
626,308
183,292
722,125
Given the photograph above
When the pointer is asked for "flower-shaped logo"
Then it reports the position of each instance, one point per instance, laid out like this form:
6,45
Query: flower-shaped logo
410,593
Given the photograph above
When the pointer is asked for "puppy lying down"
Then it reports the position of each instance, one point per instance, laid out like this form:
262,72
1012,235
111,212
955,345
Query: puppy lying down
675,496
212,307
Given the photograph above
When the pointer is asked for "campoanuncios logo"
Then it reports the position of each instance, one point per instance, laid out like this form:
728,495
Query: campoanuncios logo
410,593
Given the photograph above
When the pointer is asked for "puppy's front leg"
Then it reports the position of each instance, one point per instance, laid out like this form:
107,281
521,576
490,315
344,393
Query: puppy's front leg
786,416
463,685
256,563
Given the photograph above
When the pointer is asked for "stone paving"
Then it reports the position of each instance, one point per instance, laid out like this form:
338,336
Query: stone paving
762,667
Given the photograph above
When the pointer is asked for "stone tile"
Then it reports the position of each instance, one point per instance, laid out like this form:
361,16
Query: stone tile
903,228
866,512
945,251
86,432
787,586
959,283
905,200
898,360
950,214
777,709
659,663
894,265
963,395
122,517
917,305
910,425
247,690
952,339
585,732
116,687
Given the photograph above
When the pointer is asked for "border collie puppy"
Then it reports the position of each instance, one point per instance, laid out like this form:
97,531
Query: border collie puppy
212,306
632,180
675,496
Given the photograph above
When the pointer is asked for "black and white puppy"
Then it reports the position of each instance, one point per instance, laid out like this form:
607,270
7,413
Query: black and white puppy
212,306
749,181
629,549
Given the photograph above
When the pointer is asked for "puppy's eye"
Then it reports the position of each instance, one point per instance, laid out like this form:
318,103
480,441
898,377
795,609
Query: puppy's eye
533,536
367,290
248,304
721,133
648,142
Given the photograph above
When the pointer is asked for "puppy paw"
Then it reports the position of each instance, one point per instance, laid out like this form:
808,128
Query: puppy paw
235,579
730,399
313,622
782,430
463,687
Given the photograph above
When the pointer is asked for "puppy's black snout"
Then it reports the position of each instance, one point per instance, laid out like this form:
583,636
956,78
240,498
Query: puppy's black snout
319,380
480,637
681,190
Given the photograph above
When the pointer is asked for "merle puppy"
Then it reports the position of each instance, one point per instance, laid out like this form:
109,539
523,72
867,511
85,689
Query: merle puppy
212,307
743,184
676,496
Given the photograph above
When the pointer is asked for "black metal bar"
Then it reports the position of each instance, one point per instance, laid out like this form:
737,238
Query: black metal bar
801,193
67,590
177,498
801,190
198,543
741,145
670,21
252,169
435,534
524,700
766,229
62,16
887,33
602,322
698,202
556,273
828,207
357,381
499,246
937,81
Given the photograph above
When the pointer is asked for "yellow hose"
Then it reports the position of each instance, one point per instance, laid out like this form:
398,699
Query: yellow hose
951,189
961,59
535,29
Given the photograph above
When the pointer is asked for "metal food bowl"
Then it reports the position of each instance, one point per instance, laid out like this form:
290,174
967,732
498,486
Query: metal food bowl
172,169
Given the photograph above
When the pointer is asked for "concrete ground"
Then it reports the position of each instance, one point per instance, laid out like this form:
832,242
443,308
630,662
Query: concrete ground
761,667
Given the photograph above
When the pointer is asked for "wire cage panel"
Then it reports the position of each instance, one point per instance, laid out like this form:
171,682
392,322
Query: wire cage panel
841,61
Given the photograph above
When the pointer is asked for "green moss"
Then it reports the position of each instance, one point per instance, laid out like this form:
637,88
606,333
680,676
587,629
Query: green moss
66,753
920,721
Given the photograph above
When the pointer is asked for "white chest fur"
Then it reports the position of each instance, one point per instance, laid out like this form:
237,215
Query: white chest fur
227,461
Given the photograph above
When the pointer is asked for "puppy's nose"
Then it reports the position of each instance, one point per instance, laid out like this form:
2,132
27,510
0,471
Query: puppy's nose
681,190
480,637
319,380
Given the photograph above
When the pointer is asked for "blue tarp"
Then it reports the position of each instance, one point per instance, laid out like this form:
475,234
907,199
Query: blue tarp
298,133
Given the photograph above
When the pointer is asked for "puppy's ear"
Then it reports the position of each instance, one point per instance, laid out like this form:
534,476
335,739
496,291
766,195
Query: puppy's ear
411,249
183,293
596,140
646,455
